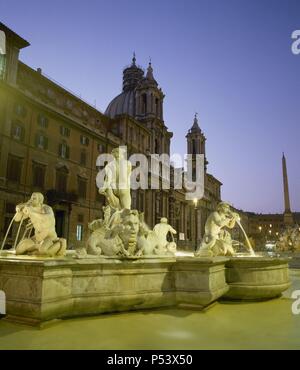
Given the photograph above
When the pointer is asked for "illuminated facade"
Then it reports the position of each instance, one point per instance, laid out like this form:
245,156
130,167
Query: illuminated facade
50,140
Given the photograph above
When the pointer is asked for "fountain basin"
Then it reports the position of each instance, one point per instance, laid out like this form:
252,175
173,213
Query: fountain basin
42,289
256,278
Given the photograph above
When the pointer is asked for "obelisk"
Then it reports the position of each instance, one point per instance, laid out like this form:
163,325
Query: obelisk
287,216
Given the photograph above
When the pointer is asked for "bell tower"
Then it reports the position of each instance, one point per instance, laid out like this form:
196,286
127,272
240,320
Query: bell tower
196,143
149,98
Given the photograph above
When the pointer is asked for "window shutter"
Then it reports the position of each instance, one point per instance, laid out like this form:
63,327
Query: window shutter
60,150
67,152
45,143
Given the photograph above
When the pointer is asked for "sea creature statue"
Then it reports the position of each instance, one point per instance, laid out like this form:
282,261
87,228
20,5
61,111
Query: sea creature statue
217,240
289,240
126,234
40,220
123,231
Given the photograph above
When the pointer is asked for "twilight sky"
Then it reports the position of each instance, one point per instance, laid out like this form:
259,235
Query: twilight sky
230,61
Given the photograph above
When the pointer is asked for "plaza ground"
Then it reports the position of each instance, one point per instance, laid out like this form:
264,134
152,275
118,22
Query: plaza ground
226,325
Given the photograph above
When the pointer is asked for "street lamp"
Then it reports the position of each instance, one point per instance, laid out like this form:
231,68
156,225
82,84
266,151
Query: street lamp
196,222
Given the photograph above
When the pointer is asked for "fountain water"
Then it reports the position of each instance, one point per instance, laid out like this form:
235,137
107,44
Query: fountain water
250,248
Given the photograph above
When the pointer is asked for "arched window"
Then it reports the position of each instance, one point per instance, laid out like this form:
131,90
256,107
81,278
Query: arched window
157,148
144,103
156,106
194,143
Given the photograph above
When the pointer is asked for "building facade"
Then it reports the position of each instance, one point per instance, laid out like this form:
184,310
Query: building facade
50,140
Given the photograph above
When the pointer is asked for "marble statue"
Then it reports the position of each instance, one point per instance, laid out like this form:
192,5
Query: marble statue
162,230
122,231
217,241
289,240
126,234
116,187
40,218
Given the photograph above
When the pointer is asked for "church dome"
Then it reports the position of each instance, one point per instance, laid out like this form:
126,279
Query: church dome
125,102
122,104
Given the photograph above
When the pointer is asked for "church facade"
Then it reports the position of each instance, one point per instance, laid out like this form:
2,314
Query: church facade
50,140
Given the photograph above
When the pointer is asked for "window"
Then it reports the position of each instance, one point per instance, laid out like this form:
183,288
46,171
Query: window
157,149
41,141
17,132
43,121
20,110
84,140
156,107
14,168
82,185
83,156
64,151
79,232
61,180
65,131
144,103
38,175
194,144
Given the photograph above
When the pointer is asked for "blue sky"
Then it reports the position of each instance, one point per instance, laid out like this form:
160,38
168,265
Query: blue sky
230,61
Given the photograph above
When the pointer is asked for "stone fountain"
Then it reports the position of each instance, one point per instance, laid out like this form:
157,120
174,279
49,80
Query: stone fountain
125,265
251,276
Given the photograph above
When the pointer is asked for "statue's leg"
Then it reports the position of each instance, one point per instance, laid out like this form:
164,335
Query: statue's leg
25,246
125,199
45,248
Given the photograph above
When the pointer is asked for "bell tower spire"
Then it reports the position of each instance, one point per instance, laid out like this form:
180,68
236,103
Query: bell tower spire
149,97
196,142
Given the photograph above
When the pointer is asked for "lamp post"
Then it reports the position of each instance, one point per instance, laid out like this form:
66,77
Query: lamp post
196,222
